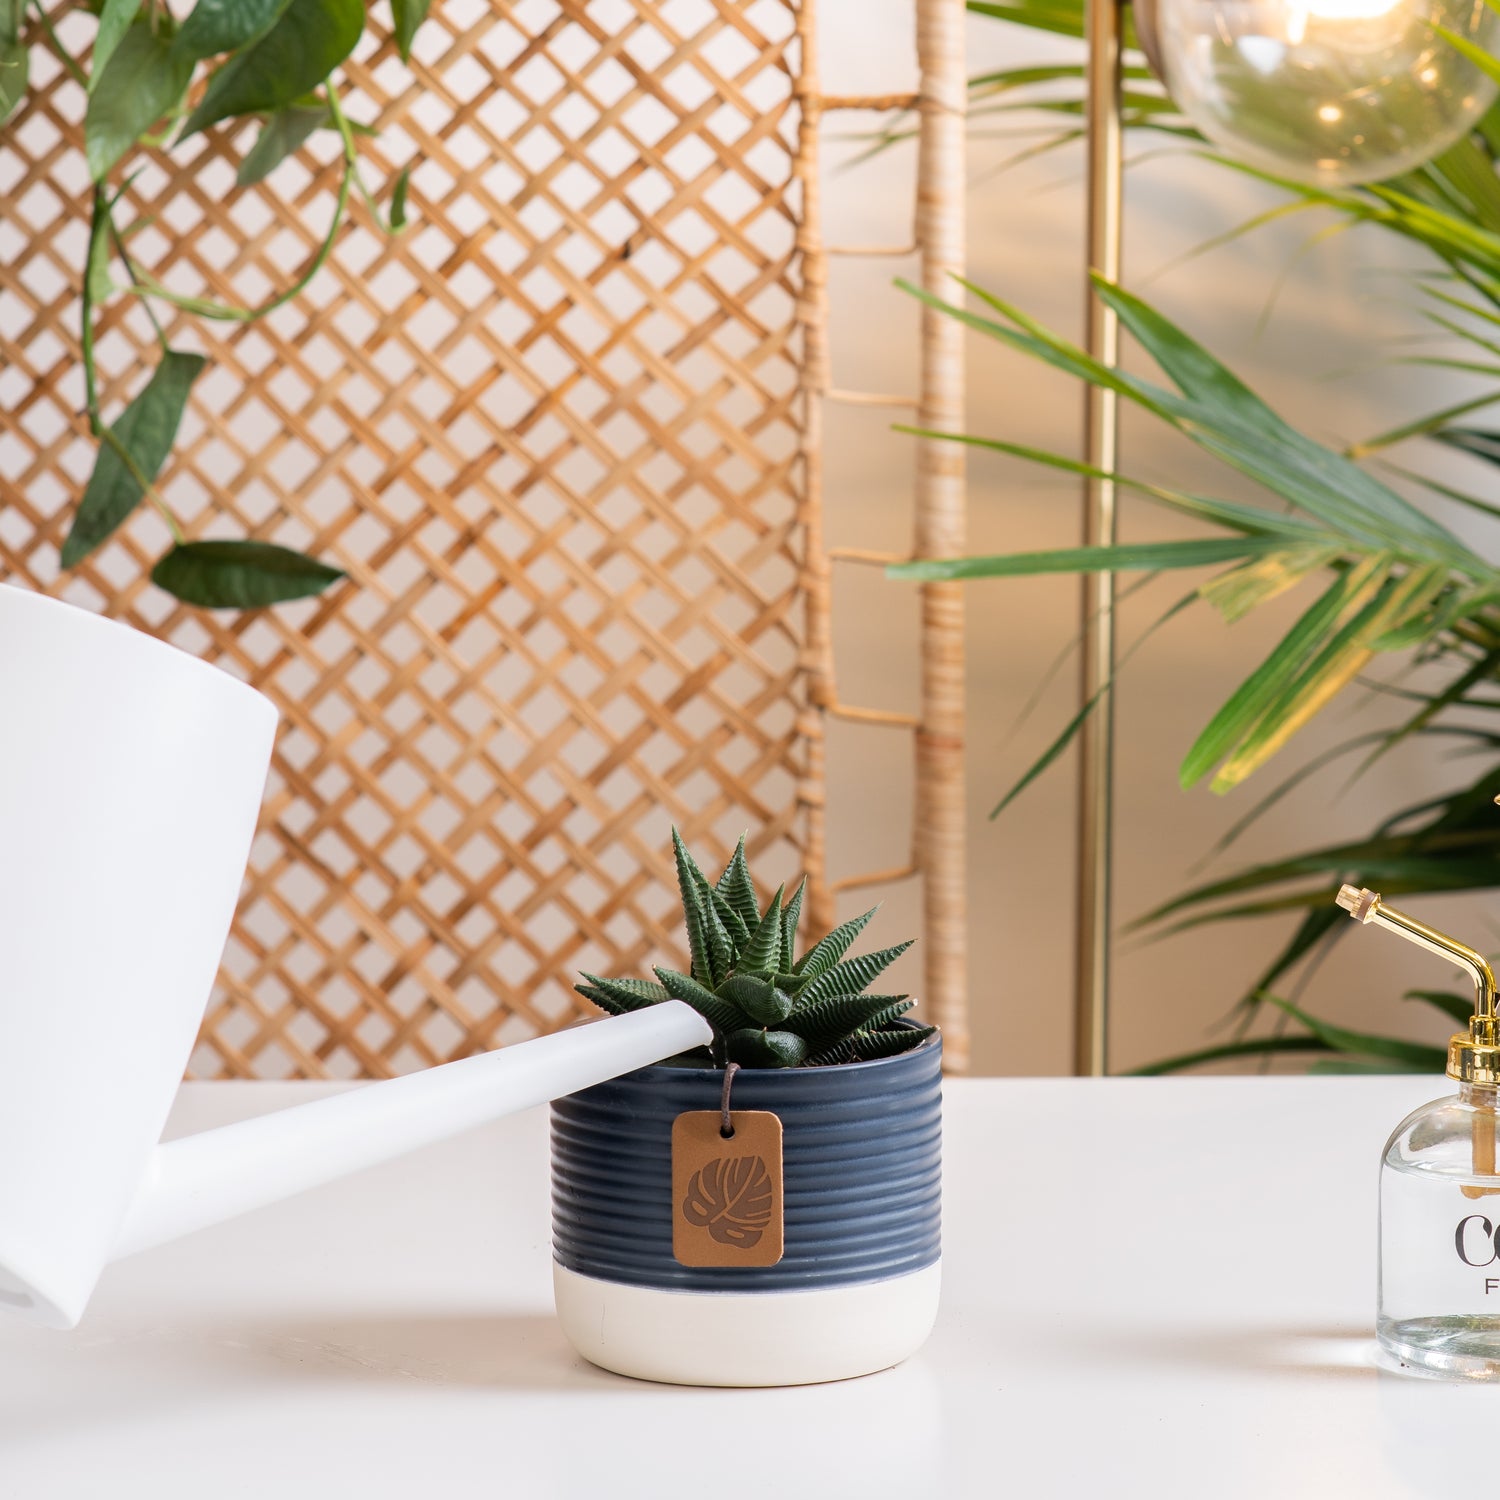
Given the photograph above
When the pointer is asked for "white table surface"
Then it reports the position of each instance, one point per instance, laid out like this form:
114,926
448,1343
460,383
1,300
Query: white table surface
1152,1288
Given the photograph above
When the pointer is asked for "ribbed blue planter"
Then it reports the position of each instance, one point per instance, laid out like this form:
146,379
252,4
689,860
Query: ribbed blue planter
856,1287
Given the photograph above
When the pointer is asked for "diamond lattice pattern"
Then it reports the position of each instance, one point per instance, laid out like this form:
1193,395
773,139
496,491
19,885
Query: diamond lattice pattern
551,432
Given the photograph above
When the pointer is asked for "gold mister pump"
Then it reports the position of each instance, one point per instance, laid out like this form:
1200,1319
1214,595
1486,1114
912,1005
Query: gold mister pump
1439,1310
1473,1056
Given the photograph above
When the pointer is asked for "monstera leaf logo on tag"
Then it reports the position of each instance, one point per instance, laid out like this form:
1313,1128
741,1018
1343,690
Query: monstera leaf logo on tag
731,1198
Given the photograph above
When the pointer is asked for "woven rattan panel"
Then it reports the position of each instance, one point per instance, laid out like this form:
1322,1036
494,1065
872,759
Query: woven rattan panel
551,432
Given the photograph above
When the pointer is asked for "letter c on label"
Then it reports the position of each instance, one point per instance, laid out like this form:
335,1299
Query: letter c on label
1490,1238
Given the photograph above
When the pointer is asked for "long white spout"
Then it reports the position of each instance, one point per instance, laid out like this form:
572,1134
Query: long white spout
205,1178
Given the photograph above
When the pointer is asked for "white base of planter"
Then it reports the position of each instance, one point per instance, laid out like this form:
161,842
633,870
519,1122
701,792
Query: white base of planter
741,1339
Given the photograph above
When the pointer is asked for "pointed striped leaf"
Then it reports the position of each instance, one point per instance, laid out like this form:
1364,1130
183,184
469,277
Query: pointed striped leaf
719,1014
789,919
735,929
763,951
828,950
738,889
759,1000
602,999
826,1021
624,994
721,947
753,1048
871,1046
850,977
688,876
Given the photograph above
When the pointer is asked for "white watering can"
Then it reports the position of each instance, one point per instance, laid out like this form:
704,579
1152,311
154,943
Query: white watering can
130,782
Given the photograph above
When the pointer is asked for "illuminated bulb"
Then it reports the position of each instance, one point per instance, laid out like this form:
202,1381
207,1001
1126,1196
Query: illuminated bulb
1327,91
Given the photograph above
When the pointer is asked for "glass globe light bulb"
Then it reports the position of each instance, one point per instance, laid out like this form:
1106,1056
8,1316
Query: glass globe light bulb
1331,92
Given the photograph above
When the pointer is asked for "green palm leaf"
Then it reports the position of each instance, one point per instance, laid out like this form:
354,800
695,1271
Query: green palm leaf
1418,1056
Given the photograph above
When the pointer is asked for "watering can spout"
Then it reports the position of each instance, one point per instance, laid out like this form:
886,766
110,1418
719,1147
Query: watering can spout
202,1179
131,777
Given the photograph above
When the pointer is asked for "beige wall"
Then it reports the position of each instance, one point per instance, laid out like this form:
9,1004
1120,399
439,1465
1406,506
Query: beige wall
1322,358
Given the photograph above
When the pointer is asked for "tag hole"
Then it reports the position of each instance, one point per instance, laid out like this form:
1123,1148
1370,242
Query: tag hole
728,1135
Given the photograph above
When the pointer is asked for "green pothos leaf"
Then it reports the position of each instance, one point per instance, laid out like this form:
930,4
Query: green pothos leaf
240,574
216,26
145,431
115,18
280,135
398,199
15,73
143,80
306,44
408,15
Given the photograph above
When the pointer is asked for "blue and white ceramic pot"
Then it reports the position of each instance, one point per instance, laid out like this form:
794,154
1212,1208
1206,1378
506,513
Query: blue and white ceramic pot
856,1288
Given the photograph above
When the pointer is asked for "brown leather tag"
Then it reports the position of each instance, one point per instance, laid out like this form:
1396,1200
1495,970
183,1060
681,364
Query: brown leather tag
726,1193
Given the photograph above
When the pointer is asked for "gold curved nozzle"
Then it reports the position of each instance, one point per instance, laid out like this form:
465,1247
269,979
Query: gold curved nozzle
1473,1057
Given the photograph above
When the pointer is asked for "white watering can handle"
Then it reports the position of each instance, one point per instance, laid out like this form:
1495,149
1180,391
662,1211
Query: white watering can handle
203,1179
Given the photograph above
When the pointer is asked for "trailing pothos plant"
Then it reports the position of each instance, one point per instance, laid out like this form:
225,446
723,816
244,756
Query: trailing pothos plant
275,62
768,1007
1387,585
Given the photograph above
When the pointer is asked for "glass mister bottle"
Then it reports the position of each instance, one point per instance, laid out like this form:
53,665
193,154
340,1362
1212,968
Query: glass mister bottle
1439,1307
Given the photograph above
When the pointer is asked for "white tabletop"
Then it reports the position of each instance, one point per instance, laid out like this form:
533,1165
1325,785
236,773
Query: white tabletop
1152,1288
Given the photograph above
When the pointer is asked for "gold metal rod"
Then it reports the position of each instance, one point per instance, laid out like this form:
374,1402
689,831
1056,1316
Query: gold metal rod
1102,25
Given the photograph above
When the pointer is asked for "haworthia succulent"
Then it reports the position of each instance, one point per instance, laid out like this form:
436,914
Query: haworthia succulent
765,1010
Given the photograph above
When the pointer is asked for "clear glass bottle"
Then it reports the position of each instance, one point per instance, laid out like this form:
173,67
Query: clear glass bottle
1439,1310
1439,1300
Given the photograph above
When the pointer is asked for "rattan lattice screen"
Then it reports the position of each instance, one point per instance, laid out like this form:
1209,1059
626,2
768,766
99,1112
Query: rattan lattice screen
552,432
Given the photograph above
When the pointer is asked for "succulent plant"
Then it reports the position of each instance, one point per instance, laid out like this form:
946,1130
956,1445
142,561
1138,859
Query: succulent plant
767,1008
